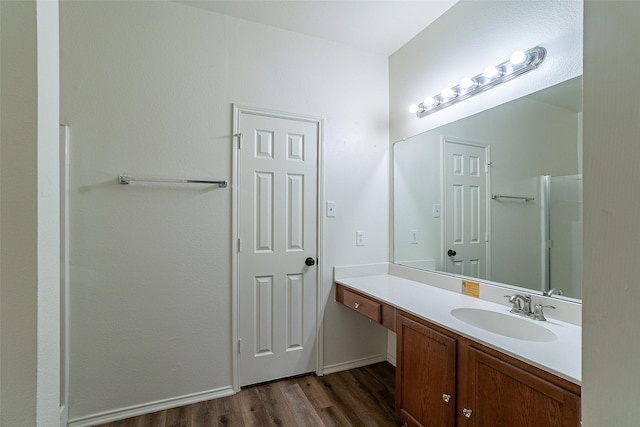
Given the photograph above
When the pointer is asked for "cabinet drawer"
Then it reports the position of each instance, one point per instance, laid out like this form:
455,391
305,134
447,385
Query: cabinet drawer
363,305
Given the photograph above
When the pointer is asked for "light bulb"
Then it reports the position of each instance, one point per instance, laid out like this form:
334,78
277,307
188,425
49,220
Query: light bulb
448,93
518,57
413,108
467,83
430,101
492,72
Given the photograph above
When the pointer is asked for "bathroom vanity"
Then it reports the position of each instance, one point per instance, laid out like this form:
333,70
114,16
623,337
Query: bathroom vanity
452,371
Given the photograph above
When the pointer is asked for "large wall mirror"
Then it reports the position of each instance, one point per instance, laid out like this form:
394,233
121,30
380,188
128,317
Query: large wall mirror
498,195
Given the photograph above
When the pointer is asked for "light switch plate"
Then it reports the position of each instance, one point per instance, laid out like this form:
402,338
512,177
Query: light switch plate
413,239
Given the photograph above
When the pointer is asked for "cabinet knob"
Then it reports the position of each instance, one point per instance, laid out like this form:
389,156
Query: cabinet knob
446,397
356,305
467,412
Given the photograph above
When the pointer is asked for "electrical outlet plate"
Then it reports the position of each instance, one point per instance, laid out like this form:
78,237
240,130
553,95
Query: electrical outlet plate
360,238
331,209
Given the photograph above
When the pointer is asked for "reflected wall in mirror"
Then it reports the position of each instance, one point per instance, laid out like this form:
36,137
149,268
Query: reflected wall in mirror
497,195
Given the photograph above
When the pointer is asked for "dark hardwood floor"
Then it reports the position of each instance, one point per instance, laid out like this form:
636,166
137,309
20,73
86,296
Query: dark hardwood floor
358,397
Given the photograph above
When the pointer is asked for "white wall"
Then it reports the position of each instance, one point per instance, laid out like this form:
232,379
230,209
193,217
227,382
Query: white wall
611,377
29,226
147,89
18,213
472,35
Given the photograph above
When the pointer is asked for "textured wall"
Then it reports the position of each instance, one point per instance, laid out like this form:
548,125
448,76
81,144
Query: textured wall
611,377
147,88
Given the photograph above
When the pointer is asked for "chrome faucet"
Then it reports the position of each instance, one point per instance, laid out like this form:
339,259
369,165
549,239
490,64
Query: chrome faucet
553,291
521,303
522,307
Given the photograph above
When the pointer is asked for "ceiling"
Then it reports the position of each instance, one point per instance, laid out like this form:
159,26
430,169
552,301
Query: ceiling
379,26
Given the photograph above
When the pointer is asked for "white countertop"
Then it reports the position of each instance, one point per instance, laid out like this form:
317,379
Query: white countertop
561,357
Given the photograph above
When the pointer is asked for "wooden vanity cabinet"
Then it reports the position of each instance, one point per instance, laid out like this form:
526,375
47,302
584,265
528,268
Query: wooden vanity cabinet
446,380
443,380
425,375
507,393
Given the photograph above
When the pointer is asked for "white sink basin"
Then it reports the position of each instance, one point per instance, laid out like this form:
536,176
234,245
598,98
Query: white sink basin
504,324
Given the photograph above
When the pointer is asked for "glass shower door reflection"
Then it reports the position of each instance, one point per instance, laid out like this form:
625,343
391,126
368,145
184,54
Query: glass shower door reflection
564,219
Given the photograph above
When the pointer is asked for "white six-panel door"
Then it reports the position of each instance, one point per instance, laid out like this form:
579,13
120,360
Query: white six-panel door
277,230
465,208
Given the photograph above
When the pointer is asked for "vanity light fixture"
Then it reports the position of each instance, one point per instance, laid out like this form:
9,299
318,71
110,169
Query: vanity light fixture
467,84
430,102
448,93
492,72
519,63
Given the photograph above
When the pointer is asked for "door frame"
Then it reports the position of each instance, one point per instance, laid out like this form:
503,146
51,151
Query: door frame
443,224
236,138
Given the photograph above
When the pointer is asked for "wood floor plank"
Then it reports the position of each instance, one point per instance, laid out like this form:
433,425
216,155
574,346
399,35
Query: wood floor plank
231,419
156,419
253,410
304,413
333,417
383,372
139,421
227,411
347,400
367,382
363,409
224,406
202,415
276,403
359,397
379,390
179,417
315,392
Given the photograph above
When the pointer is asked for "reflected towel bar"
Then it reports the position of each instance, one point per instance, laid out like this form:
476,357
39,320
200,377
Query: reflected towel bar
126,179
502,196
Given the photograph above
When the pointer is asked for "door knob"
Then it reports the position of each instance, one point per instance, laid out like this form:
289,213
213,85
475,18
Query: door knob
310,262
451,252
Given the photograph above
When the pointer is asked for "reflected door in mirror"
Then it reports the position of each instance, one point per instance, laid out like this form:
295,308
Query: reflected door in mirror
465,200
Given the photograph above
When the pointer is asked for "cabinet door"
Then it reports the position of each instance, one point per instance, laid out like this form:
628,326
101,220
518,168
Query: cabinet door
425,375
502,395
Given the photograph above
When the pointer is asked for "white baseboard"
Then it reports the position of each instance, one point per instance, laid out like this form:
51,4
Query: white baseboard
391,358
148,408
358,363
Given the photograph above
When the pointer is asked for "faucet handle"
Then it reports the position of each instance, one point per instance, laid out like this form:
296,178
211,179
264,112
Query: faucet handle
516,300
538,311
